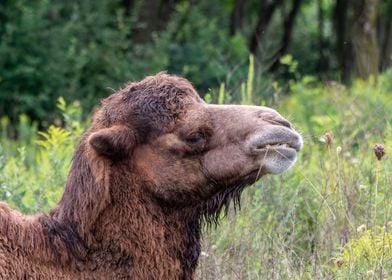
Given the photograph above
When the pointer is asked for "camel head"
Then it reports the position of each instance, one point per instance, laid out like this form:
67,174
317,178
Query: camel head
184,151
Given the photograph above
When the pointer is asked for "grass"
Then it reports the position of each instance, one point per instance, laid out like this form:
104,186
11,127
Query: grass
327,218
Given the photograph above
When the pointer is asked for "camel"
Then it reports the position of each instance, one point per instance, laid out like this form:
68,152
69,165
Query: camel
156,163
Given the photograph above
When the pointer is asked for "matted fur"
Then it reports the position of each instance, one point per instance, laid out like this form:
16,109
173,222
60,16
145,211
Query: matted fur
136,196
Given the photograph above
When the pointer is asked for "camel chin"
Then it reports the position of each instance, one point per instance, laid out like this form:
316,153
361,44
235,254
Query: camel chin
280,160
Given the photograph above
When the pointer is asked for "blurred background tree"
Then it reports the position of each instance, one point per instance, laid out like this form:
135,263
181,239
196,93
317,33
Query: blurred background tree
83,50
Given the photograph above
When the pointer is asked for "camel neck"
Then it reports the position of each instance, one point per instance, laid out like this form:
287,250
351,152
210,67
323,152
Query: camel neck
159,244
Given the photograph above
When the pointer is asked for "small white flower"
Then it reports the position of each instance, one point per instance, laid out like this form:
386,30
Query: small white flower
362,187
204,254
370,273
361,229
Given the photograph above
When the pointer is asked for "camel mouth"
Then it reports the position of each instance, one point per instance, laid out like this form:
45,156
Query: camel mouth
281,146
284,150
279,139
295,143
275,148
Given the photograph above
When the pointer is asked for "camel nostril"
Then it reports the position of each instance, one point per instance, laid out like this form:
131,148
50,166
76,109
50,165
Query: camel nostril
283,122
275,118
280,121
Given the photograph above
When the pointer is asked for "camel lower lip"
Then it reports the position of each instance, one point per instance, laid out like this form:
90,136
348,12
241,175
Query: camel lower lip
285,151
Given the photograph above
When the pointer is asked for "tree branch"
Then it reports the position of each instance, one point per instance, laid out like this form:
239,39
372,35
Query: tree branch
288,26
266,12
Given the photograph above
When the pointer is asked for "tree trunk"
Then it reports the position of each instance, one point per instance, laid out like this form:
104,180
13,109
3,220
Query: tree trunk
344,51
237,16
288,26
385,35
128,5
386,47
366,53
266,12
153,16
323,62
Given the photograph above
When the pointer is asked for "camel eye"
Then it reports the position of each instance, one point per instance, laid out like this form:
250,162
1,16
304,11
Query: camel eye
195,139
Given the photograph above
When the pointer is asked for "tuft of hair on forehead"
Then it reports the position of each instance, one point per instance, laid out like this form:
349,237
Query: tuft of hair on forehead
162,85
151,105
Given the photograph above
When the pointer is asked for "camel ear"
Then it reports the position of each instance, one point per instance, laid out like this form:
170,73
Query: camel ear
115,142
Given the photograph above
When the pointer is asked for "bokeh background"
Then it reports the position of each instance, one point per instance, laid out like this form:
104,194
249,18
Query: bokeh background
325,64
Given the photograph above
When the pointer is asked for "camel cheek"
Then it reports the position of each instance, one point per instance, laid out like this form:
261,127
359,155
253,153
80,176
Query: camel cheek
226,162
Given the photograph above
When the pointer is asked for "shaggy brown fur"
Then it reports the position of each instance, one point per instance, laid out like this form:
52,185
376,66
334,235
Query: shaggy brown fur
155,164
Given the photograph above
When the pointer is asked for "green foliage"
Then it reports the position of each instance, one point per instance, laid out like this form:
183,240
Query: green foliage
368,256
247,90
221,95
55,48
34,182
82,49
79,50
199,48
291,64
